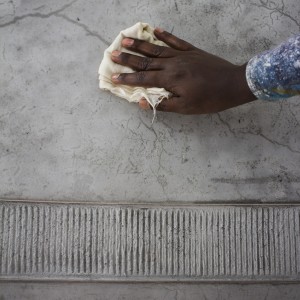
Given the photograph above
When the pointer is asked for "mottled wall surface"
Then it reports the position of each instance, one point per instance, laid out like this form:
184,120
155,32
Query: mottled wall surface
149,291
63,138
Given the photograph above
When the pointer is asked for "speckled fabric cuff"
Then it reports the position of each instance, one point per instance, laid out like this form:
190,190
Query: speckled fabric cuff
275,74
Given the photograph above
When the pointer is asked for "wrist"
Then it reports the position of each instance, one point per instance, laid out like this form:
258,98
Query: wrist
243,92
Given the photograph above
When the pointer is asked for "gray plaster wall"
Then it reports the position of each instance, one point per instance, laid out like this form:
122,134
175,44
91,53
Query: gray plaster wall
63,138
148,291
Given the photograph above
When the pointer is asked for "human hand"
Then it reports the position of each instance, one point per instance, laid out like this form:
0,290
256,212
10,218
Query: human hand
200,82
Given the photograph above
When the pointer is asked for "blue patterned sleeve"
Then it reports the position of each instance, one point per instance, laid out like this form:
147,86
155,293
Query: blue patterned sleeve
275,74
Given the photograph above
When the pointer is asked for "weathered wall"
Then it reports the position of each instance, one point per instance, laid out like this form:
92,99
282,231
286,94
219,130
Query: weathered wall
63,138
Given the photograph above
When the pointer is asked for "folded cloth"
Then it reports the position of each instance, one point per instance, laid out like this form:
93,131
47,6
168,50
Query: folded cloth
107,67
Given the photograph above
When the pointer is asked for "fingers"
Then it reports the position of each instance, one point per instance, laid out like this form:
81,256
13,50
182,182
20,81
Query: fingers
146,48
135,62
172,40
145,79
144,104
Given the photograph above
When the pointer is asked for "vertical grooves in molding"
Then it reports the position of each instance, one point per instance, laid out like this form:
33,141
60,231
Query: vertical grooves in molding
266,241
105,242
297,239
141,251
123,243
272,241
255,243
276,241
151,241
164,243
204,244
24,241
88,244
293,261
146,242
177,243
215,234
70,267
192,244
110,241
186,243
261,264
209,244
281,242
16,253
129,242
137,245
244,239
227,248
232,242
81,238
100,241
2,208
157,248
287,241
77,258
58,239
35,239
198,243
97,240
45,234
180,242
21,241
238,240
52,239
5,237
169,242
9,238
249,240
117,242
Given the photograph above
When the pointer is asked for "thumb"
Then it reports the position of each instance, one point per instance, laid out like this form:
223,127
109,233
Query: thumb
172,104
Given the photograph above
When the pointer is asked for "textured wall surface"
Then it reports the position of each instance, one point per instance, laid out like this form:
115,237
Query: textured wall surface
63,138
148,291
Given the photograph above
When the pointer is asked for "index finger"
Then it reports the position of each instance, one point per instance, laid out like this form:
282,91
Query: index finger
146,48
142,78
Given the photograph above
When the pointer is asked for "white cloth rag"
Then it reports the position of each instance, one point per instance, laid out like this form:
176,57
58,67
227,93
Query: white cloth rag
107,67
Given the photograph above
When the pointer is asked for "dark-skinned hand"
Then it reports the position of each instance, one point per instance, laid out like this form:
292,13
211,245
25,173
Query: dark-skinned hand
200,82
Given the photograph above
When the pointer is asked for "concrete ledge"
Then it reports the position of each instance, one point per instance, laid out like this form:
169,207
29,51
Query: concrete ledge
50,241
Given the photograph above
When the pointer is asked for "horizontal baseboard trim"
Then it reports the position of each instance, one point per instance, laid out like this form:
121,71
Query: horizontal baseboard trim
94,242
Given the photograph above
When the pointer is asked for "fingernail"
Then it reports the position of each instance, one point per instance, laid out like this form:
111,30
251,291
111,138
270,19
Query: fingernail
115,76
116,53
158,29
127,42
144,104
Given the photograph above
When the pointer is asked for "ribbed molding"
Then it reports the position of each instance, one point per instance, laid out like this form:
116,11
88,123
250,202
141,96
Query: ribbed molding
94,242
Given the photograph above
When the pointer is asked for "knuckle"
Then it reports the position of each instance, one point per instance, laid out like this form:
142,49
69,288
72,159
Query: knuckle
144,63
140,76
157,50
178,75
